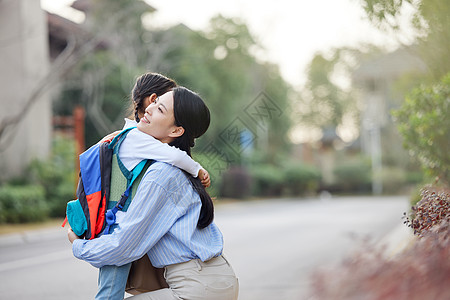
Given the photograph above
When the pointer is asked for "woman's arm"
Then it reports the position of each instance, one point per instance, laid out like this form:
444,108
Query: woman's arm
149,217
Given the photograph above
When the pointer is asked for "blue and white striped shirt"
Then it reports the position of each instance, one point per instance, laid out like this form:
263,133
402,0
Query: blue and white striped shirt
161,221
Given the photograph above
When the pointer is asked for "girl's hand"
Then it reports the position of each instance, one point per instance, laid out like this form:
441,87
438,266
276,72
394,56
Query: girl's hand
109,137
72,236
203,175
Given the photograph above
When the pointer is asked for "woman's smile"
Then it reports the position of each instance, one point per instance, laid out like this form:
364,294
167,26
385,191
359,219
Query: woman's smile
145,119
158,120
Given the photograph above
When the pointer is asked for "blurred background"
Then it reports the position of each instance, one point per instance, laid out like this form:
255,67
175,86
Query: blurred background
308,99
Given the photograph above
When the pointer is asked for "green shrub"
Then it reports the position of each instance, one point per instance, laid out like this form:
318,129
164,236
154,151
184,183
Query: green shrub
414,177
423,121
301,179
267,180
21,204
57,175
393,179
353,175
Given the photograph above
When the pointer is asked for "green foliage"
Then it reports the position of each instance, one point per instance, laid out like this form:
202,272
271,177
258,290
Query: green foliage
301,179
21,204
384,11
267,180
393,179
217,63
325,103
431,21
56,176
215,165
425,126
353,175
101,84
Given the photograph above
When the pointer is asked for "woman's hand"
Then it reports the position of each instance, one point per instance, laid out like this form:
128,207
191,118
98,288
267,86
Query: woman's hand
109,137
72,236
203,175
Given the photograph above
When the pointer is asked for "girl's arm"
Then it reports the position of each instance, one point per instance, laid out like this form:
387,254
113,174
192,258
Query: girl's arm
180,158
203,175
141,146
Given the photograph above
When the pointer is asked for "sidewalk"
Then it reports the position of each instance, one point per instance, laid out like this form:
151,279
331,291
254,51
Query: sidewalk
397,240
40,232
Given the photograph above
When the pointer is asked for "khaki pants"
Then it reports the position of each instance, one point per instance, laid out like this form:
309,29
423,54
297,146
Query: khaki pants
197,280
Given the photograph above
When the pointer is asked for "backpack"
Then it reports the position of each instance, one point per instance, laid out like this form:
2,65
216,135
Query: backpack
93,212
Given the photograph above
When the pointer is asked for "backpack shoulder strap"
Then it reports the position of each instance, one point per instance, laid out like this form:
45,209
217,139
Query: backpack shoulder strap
137,174
131,177
118,139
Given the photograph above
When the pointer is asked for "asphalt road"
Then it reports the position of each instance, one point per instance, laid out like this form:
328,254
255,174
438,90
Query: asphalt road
273,246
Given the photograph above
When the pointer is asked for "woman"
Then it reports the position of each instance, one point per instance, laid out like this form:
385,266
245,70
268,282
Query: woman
136,147
171,216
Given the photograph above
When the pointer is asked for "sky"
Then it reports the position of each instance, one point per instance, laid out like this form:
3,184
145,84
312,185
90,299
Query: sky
290,32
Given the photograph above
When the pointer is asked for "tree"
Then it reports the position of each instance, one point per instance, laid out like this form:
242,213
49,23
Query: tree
431,20
218,63
422,116
325,102
424,124
102,81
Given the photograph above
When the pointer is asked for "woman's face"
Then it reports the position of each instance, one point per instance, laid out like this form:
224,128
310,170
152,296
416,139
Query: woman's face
159,121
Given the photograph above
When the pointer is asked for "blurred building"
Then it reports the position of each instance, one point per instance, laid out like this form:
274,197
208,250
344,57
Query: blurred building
376,80
25,115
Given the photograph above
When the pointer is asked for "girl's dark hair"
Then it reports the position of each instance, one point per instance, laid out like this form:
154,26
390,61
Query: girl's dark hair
146,85
192,114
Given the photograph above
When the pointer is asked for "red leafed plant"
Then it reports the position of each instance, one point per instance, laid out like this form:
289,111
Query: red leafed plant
433,208
421,271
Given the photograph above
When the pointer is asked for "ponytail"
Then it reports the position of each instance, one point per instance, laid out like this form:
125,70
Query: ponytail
193,115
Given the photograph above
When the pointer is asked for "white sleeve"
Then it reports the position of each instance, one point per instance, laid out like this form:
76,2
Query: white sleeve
138,146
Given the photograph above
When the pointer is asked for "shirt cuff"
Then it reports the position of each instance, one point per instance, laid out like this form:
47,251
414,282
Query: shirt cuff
77,246
199,167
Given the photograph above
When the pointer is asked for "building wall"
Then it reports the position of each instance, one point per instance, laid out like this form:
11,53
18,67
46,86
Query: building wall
24,61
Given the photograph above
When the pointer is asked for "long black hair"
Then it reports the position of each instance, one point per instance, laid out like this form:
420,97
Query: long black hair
193,115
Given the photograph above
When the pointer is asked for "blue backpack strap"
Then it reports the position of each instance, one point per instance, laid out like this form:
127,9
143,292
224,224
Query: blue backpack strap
118,139
111,213
130,175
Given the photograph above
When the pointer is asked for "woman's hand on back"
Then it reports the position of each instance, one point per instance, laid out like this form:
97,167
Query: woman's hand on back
109,137
71,235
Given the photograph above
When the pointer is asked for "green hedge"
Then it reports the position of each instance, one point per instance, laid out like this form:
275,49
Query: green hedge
353,175
57,175
301,179
423,121
21,204
267,180
293,179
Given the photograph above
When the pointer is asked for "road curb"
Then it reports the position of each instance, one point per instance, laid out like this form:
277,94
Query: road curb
397,240
31,235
